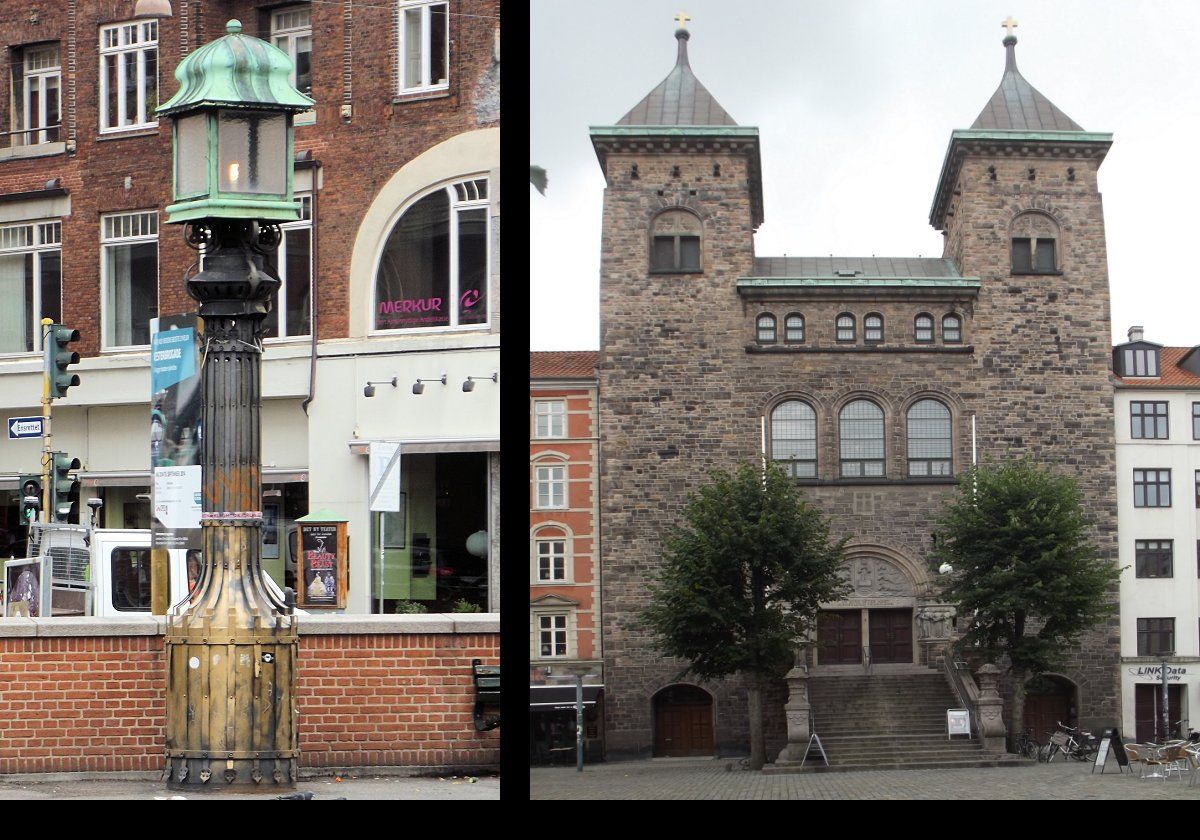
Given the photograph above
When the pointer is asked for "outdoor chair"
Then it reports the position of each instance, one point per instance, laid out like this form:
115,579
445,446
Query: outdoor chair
1175,758
1193,752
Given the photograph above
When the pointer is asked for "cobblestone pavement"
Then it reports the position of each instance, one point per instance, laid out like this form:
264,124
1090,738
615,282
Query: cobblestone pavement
451,788
683,779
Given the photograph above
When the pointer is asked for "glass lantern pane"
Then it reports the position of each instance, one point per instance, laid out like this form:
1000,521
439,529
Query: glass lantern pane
251,152
191,155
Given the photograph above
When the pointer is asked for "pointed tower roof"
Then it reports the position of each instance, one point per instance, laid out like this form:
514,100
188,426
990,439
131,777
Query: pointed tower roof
679,99
1017,122
1017,105
681,116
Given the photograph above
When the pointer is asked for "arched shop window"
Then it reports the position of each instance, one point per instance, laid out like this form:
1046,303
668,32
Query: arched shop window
433,272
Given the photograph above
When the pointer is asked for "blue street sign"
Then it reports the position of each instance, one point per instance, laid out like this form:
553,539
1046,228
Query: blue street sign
20,428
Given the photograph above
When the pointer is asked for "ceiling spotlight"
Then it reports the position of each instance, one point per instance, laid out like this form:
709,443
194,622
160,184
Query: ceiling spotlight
369,391
419,388
469,384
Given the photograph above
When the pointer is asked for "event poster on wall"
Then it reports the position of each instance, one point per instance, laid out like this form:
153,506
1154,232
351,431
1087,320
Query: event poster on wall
175,430
323,564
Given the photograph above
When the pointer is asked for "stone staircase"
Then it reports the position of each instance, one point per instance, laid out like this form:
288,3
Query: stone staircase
891,721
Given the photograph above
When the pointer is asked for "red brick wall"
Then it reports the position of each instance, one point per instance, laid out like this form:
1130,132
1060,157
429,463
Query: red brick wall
72,704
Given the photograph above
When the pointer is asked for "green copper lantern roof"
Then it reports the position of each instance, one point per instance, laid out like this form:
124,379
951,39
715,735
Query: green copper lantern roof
236,71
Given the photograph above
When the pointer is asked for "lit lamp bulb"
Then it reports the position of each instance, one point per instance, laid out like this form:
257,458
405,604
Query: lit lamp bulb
234,172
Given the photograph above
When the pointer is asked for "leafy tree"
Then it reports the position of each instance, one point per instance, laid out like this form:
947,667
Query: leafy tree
1025,569
745,574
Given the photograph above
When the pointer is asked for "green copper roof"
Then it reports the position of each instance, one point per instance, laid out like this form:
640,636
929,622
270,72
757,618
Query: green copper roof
673,131
236,71
860,282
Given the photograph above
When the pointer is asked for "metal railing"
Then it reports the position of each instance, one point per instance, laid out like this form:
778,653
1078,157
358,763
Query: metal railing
867,662
963,684
48,129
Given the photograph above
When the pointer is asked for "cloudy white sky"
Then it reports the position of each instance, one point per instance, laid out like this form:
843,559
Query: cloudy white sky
855,101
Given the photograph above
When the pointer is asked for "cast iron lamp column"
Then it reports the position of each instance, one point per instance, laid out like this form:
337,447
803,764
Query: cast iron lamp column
231,644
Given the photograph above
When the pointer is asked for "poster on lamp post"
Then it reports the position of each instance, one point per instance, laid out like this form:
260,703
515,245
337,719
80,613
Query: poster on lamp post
175,432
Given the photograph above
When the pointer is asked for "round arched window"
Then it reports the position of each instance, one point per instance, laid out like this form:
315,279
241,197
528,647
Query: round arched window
434,268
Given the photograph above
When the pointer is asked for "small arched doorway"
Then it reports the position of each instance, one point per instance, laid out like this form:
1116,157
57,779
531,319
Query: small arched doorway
683,722
1048,699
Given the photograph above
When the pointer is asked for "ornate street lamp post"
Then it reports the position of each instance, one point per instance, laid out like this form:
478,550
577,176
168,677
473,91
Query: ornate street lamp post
231,646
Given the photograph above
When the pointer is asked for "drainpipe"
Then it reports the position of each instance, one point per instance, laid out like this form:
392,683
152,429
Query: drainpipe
312,240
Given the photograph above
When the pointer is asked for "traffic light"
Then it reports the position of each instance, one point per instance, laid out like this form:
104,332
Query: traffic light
64,489
31,496
57,358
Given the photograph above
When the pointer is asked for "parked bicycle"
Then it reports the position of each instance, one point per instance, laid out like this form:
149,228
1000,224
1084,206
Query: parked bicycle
1026,745
1071,742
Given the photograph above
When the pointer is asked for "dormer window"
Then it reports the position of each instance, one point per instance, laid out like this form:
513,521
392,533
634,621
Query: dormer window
675,242
1139,361
1034,244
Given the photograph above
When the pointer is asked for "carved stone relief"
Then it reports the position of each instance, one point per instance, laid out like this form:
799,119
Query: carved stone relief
872,577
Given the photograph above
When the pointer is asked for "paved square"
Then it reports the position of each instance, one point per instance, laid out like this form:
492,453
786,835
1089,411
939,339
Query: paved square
686,779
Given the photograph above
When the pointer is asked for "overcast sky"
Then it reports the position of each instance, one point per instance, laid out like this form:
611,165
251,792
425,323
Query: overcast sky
855,101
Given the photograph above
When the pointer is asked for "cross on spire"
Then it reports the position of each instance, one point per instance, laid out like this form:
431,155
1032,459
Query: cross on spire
1010,25
682,19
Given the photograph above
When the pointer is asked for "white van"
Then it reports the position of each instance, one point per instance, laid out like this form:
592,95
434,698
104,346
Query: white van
106,571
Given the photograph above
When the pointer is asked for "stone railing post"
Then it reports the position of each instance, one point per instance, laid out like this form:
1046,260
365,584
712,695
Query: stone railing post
991,718
797,710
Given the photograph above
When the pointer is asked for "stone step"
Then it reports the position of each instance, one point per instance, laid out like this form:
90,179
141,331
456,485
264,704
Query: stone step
994,761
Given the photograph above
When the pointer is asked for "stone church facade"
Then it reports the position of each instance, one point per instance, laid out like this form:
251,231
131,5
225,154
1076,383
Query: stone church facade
866,377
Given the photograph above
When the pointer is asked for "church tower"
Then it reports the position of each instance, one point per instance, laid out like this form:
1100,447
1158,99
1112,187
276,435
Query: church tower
683,198
1020,208
867,378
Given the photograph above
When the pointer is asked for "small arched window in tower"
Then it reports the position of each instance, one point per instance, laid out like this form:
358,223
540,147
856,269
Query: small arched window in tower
923,328
794,328
845,327
951,329
861,435
794,438
675,242
873,328
1035,238
766,328
929,450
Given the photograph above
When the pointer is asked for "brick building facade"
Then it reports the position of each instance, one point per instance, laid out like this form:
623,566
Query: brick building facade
867,377
391,275
564,553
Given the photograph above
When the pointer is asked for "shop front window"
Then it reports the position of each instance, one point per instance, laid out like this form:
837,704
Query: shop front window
435,547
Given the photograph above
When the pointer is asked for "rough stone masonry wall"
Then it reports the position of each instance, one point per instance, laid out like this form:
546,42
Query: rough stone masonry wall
674,404
681,395
80,695
1044,356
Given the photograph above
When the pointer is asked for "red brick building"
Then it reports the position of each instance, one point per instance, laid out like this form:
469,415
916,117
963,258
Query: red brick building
564,551
391,275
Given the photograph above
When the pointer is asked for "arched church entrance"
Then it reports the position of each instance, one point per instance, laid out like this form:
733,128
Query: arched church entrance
1048,699
874,623
683,722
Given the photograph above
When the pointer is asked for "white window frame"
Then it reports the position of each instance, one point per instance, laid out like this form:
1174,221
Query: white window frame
425,84
304,223
469,187
34,237
139,221
554,630
545,410
288,25
43,74
563,555
116,41
543,477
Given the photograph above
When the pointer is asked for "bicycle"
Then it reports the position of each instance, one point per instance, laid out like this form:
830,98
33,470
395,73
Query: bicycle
1064,740
1026,746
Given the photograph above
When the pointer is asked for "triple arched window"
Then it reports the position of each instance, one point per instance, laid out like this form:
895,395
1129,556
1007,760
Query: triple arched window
862,439
794,438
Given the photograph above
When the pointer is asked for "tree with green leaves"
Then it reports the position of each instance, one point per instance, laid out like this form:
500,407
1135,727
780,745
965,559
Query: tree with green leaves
1026,575
745,574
